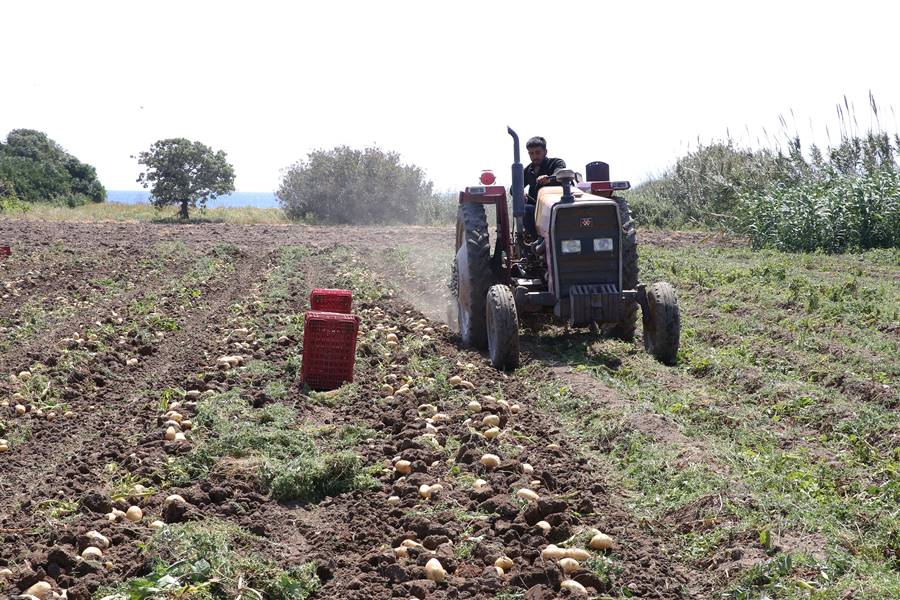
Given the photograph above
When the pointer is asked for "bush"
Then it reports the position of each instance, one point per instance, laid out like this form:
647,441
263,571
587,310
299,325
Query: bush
40,170
848,199
343,185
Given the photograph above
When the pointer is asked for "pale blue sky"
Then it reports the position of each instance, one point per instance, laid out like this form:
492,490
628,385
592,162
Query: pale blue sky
632,83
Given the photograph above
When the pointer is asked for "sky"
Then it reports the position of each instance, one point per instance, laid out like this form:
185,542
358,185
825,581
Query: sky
632,83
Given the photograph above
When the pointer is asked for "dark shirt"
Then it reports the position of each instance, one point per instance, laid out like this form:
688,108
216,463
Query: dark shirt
548,166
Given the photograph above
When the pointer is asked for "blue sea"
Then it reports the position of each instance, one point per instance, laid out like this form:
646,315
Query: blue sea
234,200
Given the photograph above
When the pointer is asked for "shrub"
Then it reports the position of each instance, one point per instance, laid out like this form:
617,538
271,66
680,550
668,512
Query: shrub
40,170
344,185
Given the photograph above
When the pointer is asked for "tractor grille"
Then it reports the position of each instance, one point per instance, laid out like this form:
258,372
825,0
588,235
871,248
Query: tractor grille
586,222
600,302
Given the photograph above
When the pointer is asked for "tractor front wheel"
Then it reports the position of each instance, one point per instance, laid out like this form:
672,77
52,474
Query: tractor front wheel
472,274
502,328
662,322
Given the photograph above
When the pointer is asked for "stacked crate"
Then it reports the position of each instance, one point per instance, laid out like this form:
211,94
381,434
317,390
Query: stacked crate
329,339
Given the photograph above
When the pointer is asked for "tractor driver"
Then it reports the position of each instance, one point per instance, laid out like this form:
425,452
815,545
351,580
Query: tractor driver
537,175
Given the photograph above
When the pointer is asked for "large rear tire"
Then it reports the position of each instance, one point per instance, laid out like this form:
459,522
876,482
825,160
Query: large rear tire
502,328
662,323
625,328
472,274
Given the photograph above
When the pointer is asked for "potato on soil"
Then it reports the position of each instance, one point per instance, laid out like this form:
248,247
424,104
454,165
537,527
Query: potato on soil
435,571
92,553
491,421
491,461
134,514
504,562
569,565
601,541
98,539
528,494
171,432
41,589
5,573
492,433
544,526
573,586
474,406
404,467
577,553
553,552
393,500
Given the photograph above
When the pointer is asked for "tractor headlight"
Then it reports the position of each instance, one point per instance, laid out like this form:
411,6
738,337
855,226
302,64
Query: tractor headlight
571,246
603,244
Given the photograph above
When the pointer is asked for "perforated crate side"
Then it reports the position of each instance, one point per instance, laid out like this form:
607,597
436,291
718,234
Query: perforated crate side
329,349
331,300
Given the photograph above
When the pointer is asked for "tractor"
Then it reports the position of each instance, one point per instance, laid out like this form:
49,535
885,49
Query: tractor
578,264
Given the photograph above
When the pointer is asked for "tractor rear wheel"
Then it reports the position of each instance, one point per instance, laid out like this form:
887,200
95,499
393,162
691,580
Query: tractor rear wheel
662,323
502,328
624,329
472,274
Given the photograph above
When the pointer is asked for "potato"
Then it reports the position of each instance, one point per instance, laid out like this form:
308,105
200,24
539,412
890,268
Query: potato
393,500
40,590
5,573
404,467
435,571
504,562
171,423
455,380
578,553
180,437
392,337
411,544
134,514
427,409
175,498
401,552
569,565
425,490
429,428
440,418
544,526
174,416
573,586
528,494
553,552
503,404
21,410
24,376
92,553
499,571
514,409
474,406
69,414
491,421
491,461
492,433
488,399
131,362
527,469
601,541
170,434
157,525
479,484
98,539
187,424
4,446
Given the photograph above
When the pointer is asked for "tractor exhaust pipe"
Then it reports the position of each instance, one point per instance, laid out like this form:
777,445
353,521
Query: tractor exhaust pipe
518,184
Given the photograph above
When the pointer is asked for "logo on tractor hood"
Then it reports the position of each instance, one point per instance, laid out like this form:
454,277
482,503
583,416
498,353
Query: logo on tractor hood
586,222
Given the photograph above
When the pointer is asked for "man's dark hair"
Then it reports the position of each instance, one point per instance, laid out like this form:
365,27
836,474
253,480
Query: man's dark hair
536,142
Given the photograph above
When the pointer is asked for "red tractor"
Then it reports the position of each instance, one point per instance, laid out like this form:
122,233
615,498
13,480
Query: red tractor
579,264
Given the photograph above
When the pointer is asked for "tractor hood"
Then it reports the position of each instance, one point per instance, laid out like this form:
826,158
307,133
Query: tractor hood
583,240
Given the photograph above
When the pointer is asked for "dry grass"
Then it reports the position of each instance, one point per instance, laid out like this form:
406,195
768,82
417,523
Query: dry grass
113,211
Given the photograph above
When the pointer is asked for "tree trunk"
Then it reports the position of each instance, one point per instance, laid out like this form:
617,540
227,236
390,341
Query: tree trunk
184,210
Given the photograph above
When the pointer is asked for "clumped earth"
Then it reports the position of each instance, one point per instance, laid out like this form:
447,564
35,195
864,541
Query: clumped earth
763,465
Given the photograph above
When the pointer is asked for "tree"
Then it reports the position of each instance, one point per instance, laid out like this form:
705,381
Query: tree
344,185
40,170
179,171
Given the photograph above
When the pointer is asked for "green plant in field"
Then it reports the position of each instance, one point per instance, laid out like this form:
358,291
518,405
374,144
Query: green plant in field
280,454
209,560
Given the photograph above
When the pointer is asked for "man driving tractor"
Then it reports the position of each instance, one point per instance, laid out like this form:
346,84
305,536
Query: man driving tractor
537,175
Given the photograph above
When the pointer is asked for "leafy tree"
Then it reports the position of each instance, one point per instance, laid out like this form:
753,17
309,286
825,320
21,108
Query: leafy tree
179,171
40,170
344,185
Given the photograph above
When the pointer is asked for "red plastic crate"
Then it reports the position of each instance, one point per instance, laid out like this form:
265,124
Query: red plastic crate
337,301
329,349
